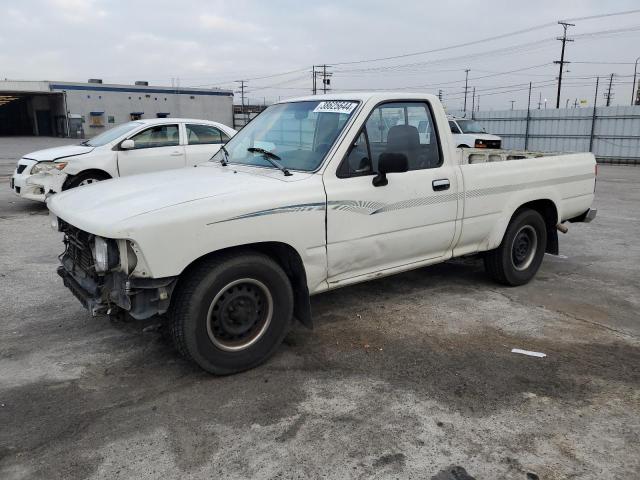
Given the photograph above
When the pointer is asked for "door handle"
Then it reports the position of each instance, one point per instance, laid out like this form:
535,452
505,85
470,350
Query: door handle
441,184
176,154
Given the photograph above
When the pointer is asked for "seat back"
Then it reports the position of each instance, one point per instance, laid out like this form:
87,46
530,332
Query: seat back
404,139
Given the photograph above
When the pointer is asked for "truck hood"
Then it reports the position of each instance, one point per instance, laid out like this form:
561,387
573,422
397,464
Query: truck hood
49,154
98,208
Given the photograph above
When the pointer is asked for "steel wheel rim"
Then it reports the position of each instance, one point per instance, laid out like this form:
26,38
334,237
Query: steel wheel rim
239,314
524,247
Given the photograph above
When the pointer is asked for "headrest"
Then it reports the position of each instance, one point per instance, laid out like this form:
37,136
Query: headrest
403,136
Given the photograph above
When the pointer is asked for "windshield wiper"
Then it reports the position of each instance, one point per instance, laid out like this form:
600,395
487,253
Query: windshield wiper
224,161
272,158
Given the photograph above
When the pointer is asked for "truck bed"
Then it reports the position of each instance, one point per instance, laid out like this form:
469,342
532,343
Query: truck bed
497,182
482,155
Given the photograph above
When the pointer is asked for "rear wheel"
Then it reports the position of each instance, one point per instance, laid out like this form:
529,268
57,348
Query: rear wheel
519,256
231,313
85,178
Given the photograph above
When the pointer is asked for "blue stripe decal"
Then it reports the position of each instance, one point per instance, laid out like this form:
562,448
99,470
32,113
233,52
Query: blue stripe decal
132,89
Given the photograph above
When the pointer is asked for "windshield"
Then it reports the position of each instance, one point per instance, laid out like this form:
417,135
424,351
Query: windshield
297,135
111,134
471,126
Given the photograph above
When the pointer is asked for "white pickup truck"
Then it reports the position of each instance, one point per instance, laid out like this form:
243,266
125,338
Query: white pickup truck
314,194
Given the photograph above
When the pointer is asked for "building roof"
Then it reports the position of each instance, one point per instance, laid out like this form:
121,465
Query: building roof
59,86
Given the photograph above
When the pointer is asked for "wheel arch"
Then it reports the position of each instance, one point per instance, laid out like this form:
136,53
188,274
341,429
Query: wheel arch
547,208
96,171
289,260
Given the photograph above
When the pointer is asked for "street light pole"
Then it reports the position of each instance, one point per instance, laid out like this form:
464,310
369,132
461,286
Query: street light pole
633,89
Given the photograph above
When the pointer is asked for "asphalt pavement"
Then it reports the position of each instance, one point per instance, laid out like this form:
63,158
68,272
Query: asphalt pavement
410,376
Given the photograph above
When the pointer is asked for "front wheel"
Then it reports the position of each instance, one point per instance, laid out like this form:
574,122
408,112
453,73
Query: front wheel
520,254
85,178
231,313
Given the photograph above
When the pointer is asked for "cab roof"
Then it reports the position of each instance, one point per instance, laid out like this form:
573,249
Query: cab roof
364,96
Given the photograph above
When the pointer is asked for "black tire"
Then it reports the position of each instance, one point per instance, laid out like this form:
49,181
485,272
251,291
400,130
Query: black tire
219,312
85,178
463,146
519,256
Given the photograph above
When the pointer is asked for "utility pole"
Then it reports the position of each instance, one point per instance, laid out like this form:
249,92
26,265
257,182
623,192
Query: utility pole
609,95
466,87
562,61
440,95
242,92
634,93
473,101
593,116
313,74
478,103
512,102
326,78
526,133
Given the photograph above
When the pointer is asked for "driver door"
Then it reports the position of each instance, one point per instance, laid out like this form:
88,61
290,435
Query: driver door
156,148
410,219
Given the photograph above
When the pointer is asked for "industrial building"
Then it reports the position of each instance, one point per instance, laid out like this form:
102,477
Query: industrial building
70,109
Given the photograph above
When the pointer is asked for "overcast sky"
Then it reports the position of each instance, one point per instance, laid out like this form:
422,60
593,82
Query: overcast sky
213,43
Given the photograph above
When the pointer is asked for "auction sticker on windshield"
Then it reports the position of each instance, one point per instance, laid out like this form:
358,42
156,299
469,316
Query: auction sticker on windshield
335,106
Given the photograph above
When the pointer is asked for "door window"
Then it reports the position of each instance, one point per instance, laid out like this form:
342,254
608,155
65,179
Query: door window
158,136
358,161
205,134
399,127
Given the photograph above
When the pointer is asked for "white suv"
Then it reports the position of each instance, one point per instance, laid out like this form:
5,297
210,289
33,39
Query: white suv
136,147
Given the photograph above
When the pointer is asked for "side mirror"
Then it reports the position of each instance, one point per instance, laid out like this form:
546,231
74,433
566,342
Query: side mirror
390,163
128,144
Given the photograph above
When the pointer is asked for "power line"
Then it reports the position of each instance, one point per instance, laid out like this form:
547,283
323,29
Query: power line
500,51
605,63
447,84
512,49
603,15
483,40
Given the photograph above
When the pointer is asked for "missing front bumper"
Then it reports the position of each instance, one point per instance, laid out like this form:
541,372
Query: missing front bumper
140,298
88,299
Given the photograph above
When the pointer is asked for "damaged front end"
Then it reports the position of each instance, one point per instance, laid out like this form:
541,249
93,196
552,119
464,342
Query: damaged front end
41,185
100,272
